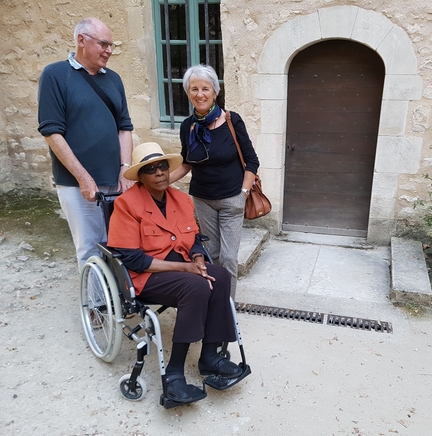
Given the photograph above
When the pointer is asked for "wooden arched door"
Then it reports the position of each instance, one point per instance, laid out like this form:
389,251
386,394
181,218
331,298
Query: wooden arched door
334,102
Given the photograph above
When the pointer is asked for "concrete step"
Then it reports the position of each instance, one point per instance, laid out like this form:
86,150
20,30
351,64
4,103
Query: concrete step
251,244
409,277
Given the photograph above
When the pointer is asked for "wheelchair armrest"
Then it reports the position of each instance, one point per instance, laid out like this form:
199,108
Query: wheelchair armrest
108,251
203,238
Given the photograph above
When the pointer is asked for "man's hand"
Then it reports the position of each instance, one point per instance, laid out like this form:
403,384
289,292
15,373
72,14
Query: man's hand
61,149
88,188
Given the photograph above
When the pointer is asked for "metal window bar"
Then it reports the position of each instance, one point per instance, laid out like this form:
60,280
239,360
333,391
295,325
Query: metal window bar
169,68
188,43
188,36
206,30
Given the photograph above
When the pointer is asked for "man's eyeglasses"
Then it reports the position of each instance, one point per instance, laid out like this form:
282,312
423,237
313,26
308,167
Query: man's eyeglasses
104,44
163,165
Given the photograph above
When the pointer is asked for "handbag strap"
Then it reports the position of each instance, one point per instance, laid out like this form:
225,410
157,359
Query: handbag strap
233,133
99,92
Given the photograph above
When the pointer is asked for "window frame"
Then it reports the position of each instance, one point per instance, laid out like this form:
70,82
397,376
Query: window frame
193,54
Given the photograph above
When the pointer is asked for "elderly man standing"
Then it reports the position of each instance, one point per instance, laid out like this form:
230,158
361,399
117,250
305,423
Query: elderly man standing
84,118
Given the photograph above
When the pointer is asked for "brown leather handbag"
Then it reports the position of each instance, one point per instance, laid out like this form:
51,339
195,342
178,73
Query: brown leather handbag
257,204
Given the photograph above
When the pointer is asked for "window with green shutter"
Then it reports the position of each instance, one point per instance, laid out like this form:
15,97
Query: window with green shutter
188,32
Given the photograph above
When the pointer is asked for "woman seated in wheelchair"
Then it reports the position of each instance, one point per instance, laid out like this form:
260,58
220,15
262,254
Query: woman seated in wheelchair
154,228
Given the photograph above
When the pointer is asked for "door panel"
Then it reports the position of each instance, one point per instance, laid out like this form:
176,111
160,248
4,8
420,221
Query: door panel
311,207
334,101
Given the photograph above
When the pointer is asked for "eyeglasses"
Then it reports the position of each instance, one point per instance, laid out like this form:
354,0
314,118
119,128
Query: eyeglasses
104,44
163,165
197,154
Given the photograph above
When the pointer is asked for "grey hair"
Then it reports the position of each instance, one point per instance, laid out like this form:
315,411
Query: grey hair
84,26
202,72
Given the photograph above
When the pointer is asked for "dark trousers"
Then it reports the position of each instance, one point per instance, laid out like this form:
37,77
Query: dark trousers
202,313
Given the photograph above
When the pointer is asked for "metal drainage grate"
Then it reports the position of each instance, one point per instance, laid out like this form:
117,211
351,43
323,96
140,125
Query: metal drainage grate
360,323
276,312
315,317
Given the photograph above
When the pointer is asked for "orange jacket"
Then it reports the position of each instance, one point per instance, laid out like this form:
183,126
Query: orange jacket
137,222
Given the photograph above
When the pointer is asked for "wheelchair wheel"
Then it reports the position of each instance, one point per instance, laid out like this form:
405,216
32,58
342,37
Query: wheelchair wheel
126,391
101,309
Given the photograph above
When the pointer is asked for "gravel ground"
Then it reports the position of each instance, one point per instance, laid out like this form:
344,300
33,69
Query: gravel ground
306,379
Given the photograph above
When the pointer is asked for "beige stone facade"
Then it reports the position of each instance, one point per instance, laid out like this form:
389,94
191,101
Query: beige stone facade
258,47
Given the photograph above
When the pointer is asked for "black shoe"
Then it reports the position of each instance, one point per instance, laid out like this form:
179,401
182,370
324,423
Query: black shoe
177,389
220,383
222,367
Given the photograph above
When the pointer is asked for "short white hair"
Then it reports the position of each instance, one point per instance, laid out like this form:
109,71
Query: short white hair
203,72
84,26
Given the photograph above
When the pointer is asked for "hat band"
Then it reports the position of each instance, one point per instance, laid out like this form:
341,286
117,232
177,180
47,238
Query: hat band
150,156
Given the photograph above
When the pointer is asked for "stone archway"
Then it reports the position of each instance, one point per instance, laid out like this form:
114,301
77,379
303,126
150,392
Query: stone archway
396,152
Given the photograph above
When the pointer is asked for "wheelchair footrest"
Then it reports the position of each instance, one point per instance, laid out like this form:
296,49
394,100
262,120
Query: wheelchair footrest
197,394
219,383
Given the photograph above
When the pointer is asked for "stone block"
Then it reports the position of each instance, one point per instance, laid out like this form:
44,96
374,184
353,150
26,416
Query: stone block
383,198
410,280
34,144
393,117
285,42
272,187
338,21
402,87
370,28
266,86
399,155
398,53
273,116
251,243
270,147
380,231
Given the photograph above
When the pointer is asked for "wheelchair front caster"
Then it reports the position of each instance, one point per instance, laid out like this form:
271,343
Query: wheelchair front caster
132,393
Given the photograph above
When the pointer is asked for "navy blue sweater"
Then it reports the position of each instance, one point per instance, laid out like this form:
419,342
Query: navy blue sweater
221,176
69,106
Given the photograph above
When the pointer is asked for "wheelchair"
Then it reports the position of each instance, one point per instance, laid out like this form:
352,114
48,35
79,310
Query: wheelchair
107,299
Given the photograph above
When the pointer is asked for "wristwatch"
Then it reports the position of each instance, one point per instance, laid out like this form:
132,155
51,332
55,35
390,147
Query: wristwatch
245,191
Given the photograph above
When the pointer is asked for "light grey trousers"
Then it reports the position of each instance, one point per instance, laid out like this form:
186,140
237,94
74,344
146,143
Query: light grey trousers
222,222
85,219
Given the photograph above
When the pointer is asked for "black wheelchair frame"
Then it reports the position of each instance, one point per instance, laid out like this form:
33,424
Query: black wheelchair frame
107,297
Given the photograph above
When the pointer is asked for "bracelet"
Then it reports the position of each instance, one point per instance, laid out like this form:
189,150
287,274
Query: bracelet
197,255
125,165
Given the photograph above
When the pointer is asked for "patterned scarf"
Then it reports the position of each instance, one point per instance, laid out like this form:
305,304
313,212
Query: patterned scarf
200,126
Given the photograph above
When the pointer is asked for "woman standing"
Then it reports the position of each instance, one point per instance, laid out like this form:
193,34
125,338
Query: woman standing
219,186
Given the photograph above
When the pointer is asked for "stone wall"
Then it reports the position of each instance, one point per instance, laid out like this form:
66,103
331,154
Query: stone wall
34,34
256,85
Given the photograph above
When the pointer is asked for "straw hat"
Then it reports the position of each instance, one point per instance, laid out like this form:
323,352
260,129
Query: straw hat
147,153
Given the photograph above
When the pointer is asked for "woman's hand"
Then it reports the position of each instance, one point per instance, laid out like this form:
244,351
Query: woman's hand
124,184
179,173
199,268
